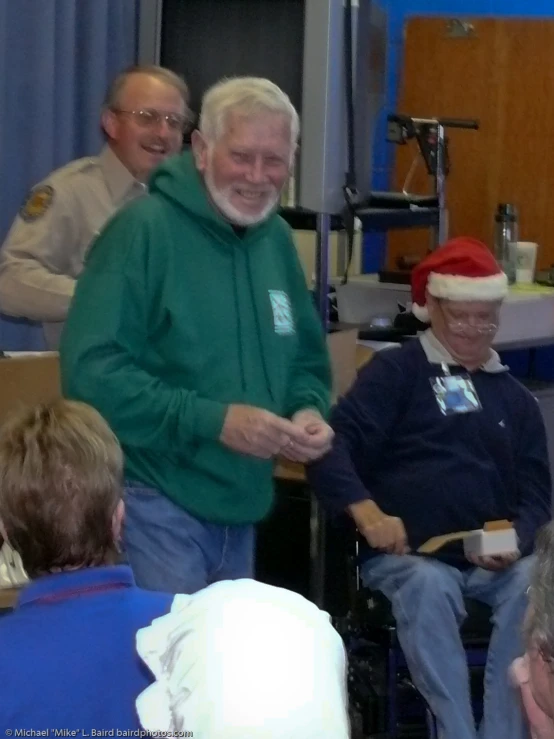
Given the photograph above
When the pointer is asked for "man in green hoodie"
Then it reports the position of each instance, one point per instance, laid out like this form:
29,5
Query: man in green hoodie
192,331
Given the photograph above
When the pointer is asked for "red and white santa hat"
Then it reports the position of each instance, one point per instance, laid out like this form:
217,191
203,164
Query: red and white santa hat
462,269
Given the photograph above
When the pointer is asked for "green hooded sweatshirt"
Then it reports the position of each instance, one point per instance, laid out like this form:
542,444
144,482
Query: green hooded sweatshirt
175,317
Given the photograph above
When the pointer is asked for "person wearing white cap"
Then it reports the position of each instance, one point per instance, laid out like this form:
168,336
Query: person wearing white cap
244,660
436,437
532,674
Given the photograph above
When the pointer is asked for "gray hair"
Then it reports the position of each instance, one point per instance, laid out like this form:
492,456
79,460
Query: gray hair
113,93
539,622
246,95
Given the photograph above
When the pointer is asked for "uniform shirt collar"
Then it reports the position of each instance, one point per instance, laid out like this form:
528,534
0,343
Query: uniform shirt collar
121,183
437,353
61,583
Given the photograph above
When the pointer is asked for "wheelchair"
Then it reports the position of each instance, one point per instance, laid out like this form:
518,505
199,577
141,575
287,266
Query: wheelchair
383,698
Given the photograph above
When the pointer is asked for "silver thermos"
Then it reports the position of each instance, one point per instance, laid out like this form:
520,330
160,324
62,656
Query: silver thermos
506,238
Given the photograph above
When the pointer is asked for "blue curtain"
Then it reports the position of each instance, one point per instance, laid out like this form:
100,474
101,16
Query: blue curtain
56,60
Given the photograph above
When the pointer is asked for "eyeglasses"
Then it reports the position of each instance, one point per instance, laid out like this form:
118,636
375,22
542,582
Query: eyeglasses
462,328
151,118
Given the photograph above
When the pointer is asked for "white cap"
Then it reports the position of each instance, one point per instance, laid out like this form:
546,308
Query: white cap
243,659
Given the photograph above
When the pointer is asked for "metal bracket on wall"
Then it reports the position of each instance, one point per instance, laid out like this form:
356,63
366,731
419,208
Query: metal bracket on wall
457,28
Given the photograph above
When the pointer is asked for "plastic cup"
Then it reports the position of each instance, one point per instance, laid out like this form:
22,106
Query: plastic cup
526,252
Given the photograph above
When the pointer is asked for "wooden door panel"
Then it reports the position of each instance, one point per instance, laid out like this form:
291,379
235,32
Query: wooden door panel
503,77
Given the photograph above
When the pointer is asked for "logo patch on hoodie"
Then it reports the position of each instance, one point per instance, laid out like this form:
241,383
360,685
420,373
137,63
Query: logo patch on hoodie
282,312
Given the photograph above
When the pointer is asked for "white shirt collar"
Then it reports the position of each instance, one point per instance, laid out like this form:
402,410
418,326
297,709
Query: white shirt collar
437,353
121,183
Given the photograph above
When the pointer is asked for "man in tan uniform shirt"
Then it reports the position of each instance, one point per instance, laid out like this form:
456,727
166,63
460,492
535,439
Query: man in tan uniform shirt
143,118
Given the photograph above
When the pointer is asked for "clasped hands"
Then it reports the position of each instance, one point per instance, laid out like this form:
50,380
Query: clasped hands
260,433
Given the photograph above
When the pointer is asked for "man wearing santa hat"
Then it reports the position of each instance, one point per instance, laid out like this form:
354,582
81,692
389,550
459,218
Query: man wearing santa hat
437,437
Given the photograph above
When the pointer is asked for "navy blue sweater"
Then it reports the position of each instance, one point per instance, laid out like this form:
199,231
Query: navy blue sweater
438,473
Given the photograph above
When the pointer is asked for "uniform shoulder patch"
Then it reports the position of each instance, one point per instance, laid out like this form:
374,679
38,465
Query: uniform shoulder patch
38,202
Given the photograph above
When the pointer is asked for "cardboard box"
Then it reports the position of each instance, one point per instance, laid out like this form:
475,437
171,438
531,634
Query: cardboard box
27,379
8,598
347,356
496,537
488,543
342,351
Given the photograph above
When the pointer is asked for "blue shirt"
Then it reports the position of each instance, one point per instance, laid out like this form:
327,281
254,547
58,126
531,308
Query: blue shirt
438,473
68,657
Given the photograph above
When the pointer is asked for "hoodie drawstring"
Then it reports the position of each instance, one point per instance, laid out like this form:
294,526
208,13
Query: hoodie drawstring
258,327
239,327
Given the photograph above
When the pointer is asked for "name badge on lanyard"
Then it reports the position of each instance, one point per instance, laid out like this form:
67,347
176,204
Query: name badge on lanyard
455,393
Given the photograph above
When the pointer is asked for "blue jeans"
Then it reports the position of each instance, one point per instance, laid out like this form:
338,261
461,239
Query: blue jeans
171,550
427,603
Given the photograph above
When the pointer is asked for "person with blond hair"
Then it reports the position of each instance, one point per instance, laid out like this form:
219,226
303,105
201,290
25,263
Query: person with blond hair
61,509
193,332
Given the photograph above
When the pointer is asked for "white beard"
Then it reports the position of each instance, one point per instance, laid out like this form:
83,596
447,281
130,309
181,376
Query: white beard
221,199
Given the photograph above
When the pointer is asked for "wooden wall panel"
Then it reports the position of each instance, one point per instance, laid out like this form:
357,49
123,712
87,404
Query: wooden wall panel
526,163
503,77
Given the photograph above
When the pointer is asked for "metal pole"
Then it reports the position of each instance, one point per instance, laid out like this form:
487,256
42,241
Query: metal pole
440,181
149,31
317,517
323,230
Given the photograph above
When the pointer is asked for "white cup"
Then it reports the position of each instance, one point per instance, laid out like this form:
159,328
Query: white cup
526,252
